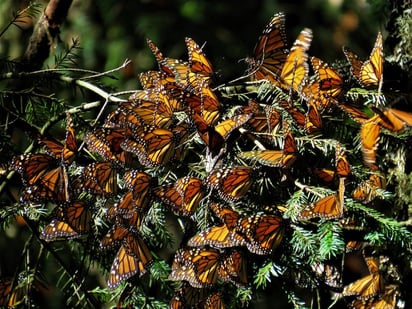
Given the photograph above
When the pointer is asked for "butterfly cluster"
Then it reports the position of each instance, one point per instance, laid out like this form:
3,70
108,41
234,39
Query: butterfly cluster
228,168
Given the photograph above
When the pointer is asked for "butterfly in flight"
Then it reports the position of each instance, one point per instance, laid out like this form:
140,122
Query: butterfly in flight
272,60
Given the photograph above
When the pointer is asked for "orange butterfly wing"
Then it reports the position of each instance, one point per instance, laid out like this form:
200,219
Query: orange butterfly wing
329,207
231,183
270,51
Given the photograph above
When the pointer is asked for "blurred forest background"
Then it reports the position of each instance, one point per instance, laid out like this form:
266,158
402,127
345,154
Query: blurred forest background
111,31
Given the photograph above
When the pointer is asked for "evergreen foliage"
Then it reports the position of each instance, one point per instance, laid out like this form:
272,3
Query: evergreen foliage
166,197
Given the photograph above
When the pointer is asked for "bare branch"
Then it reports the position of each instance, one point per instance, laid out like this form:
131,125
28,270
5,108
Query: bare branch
45,32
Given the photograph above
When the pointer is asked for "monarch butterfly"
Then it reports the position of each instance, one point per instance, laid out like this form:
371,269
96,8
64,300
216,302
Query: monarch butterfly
328,84
130,115
262,122
276,158
354,245
231,183
155,79
125,212
354,112
133,257
295,68
368,286
139,183
205,103
183,196
313,120
197,73
341,162
215,137
324,174
168,100
368,189
370,72
260,233
202,267
67,152
263,233
227,215
150,111
72,221
106,142
198,61
115,236
297,115
385,301
220,236
165,64
125,117
44,177
155,147
329,207
270,52
392,119
98,178
131,207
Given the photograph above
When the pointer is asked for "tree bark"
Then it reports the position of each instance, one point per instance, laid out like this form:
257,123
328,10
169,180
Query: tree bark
46,30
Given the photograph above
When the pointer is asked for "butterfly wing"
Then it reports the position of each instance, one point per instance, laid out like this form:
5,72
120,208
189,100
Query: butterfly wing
231,183
295,69
327,208
270,51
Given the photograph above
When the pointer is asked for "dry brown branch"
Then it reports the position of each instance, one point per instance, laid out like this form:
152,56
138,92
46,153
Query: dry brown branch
47,29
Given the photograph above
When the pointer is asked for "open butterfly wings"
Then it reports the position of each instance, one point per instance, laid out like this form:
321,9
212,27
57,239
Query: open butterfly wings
45,175
271,49
273,61
327,87
183,196
65,152
71,221
260,234
367,190
231,183
386,300
329,207
276,158
368,286
370,72
202,267
198,61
